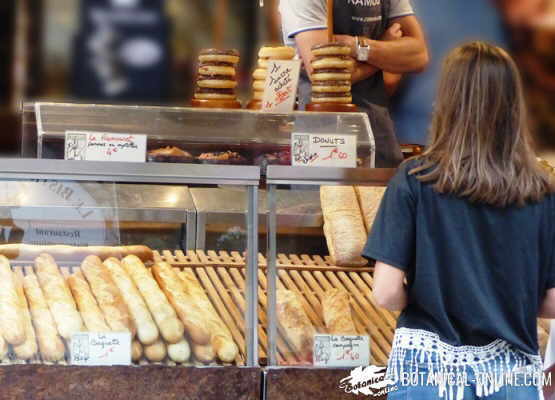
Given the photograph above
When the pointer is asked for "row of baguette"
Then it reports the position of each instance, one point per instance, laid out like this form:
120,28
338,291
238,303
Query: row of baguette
161,307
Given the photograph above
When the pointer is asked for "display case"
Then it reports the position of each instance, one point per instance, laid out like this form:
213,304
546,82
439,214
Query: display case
319,299
200,135
71,270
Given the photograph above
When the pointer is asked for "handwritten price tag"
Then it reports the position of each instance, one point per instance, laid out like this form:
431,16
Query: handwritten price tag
101,146
280,90
324,150
90,349
341,351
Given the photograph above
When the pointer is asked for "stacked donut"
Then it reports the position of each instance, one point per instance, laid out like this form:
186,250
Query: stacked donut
264,56
331,76
216,75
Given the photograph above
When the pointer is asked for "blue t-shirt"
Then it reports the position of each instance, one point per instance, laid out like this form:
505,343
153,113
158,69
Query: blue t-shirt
475,273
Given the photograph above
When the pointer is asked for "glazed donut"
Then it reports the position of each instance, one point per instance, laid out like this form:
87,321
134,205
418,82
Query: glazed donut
216,55
331,49
343,100
217,83
258,85
259,74
332,62
214,96
263,64
257,95
277,53
331,76
216,70
329,88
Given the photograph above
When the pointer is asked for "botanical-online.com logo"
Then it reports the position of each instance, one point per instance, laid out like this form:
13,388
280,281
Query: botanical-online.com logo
368,381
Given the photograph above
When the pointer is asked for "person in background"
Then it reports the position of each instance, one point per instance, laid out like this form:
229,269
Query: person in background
374,24
447,24
469,225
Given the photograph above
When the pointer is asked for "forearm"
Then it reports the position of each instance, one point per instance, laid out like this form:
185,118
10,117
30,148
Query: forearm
398,303
363,71
399,56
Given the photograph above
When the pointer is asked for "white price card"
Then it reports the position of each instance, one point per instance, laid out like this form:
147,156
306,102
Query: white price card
102,146
324,150
341,351
101,349
280,89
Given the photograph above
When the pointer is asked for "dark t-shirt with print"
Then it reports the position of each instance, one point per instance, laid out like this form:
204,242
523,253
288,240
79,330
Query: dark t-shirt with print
475,272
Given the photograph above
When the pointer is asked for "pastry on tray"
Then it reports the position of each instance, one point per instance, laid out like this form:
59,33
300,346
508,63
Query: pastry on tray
170,154
223,157
274,158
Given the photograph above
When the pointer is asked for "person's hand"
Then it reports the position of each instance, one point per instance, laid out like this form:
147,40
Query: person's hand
349,41
394,32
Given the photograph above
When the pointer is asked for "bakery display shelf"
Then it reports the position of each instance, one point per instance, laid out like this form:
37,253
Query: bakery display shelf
222,275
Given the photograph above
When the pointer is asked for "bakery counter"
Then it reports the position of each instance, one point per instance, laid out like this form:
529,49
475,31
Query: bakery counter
40,382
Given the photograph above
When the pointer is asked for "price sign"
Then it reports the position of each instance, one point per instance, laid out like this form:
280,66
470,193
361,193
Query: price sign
324,150
341,351
102,146
280,90
101,349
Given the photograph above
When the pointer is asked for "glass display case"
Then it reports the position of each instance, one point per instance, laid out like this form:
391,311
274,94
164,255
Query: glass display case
73,264
320,309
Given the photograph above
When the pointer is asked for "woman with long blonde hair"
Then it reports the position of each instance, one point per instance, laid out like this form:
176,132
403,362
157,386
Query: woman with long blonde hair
464,242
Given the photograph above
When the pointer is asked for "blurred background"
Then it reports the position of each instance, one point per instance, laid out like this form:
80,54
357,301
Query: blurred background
144,52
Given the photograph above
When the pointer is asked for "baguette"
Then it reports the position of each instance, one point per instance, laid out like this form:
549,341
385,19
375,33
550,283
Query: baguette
58,296
86,303
204,353
336,309
171,328
29,348
136,351
156,352
147,331
73,253
221,338
295,323
51,346
192,317
343,225
11,309
3,346
369,200
108,296
180,351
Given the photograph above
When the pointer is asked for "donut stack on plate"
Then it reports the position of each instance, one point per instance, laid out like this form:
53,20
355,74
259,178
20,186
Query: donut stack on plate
331,76
217,75
264,56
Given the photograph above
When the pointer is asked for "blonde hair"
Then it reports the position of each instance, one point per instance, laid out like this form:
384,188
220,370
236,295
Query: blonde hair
480,144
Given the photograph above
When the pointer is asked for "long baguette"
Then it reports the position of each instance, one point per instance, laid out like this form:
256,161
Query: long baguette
136,350
147,331
29,348
156,352
336,309
3,346
171,328
295,323
192,317
204,353
58,296
90,312
369,199
180,351
73,253
108,296
220,336
11,309
50,344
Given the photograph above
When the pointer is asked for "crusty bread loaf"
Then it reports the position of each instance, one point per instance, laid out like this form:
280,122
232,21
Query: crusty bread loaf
179,352
73,253
108,296
220,336
51,346
204,353
369,200
343,225
58,296
136,351
156,352
336,309
171,328
295,323
192,317
11,309
147,331
86,303
3,346
29,348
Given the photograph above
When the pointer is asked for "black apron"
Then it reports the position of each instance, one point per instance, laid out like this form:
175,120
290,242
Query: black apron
367,18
